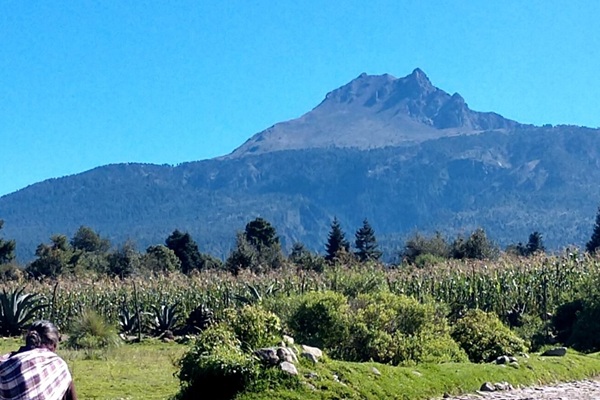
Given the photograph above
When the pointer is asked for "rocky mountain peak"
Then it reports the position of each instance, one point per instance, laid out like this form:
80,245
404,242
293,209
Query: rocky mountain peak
373,111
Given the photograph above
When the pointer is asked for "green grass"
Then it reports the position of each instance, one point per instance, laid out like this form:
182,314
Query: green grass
358,381
145,371
133,371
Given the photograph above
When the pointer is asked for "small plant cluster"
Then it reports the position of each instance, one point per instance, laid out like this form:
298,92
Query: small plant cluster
222,357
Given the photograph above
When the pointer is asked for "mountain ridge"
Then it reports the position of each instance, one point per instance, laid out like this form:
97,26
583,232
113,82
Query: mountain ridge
374,111
381,149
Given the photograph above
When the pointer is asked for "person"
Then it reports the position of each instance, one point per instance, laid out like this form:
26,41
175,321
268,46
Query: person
35,371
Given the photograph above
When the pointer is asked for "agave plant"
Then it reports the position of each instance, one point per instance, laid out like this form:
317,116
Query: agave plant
166,318
128,321
255,296
199,319
17,309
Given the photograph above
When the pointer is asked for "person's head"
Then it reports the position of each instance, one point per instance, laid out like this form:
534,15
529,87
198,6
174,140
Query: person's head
42,334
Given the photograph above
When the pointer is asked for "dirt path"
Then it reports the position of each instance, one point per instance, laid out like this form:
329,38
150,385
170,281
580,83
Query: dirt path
579,390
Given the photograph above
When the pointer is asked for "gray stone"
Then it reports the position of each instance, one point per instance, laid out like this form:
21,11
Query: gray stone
312,353
502,360
512,359
288,339
267,356
289,368
312,350
312,375
487,387
503,386
555,352
310,357
376,371
285,354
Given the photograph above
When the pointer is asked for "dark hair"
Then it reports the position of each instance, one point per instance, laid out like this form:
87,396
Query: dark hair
42,334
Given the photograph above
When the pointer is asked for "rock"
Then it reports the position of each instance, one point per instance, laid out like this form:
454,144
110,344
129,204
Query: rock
311,375
555,352
167,335
487,387
512,359
502,360
267,356
289,368
312,353
310,357
312,350
375,371
503,386
288,340
286,355
417,373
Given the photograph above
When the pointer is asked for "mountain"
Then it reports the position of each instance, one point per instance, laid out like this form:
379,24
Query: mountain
374,112
401,152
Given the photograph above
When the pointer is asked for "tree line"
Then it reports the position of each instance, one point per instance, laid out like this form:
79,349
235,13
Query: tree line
257,248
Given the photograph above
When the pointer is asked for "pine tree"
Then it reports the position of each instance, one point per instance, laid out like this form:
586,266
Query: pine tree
186,249
535,244
7,248
336,241
594,242
366,243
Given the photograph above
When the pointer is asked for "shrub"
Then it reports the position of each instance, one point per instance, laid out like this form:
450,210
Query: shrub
322,320
254,326
216,361
483,336
90,331
564,319
584,335
395,329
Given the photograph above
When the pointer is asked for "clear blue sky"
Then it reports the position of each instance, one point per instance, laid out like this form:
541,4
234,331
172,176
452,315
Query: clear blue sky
89,83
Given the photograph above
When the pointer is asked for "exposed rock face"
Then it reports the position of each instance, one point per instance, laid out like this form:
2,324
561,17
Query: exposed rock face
375,111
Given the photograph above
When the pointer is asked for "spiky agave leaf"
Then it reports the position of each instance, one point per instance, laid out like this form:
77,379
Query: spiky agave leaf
17,309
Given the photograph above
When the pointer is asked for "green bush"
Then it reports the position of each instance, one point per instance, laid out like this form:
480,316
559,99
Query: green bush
216,361
483,336
254,326
564,319
428,260
395,329
534,331
90,331
322,320
584,336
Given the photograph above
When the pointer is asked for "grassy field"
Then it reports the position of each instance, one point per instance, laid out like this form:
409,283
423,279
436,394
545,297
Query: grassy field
145,371
132,371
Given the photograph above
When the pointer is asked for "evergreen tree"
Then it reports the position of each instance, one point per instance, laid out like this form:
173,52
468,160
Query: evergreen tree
86,239
535,244
7,248
263,237
261,234
366,243
336,241
244,256
594,242
124,261
186,249
52,259
477,246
